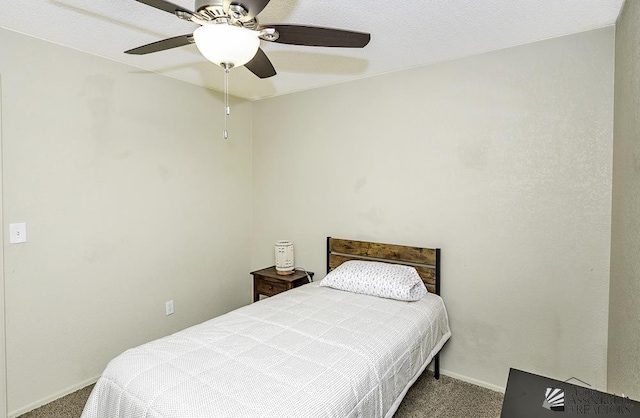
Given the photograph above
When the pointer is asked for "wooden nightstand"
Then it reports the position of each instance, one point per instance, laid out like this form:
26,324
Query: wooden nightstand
267,282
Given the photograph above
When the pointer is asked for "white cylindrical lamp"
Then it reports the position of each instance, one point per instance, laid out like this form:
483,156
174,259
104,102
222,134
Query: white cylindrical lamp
284,257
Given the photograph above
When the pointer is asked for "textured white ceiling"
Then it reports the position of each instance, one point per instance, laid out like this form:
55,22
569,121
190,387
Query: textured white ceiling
403,34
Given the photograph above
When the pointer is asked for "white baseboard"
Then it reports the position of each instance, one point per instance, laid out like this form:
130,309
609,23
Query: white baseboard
472,381
48,399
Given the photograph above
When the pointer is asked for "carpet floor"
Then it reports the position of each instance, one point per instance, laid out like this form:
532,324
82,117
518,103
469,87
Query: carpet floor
427,398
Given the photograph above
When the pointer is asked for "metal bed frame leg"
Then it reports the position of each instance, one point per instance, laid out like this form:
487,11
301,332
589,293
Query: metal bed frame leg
436,364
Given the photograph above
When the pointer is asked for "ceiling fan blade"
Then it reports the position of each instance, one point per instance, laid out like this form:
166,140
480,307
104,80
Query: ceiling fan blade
166,6
162,45
253,7
260,65
318,36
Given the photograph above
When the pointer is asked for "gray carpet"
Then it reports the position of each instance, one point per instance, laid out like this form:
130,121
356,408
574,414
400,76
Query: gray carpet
444,398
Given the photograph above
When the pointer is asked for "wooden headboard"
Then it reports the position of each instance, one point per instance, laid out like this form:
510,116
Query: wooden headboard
425,260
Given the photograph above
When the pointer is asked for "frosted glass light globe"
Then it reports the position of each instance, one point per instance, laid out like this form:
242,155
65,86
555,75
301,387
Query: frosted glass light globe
227,44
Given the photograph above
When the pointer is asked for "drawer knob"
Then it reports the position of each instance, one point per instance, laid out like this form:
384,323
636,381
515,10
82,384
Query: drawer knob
270,287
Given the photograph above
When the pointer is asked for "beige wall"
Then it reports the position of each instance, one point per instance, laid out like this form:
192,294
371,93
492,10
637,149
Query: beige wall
624,308
130,199
503,160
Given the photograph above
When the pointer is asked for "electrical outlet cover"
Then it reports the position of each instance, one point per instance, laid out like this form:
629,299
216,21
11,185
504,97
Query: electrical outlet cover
169,307
17,233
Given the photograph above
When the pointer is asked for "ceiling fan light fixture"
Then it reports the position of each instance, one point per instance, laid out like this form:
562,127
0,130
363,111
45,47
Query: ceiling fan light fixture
227,44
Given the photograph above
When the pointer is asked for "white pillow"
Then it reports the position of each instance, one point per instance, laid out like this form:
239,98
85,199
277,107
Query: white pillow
391,281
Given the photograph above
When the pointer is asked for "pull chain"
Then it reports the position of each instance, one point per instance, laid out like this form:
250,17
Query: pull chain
227,109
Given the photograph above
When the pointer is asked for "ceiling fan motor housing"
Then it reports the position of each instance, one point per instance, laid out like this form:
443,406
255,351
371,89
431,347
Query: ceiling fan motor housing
213,11
201,4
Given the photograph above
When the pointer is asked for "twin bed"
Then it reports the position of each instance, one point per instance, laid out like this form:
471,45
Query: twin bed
313,351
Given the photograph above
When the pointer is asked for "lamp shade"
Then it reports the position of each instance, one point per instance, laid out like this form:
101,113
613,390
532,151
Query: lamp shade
284,257
227,44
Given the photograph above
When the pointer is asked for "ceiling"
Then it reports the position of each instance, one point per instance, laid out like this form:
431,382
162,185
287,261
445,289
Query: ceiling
403,35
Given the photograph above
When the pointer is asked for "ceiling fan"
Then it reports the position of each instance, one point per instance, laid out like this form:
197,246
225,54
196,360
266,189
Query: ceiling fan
229,36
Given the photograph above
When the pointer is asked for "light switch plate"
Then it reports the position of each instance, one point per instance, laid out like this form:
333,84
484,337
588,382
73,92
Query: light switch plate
17,233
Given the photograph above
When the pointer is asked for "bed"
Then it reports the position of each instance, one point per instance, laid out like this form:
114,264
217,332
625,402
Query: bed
312,351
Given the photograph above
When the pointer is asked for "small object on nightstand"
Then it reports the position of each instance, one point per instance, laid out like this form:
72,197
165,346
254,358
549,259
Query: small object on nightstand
284,258
268,282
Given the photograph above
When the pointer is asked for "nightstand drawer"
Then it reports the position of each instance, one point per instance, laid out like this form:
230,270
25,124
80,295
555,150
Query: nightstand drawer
267,287
267,282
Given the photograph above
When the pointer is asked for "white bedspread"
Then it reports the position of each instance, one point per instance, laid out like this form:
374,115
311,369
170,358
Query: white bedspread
309,352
